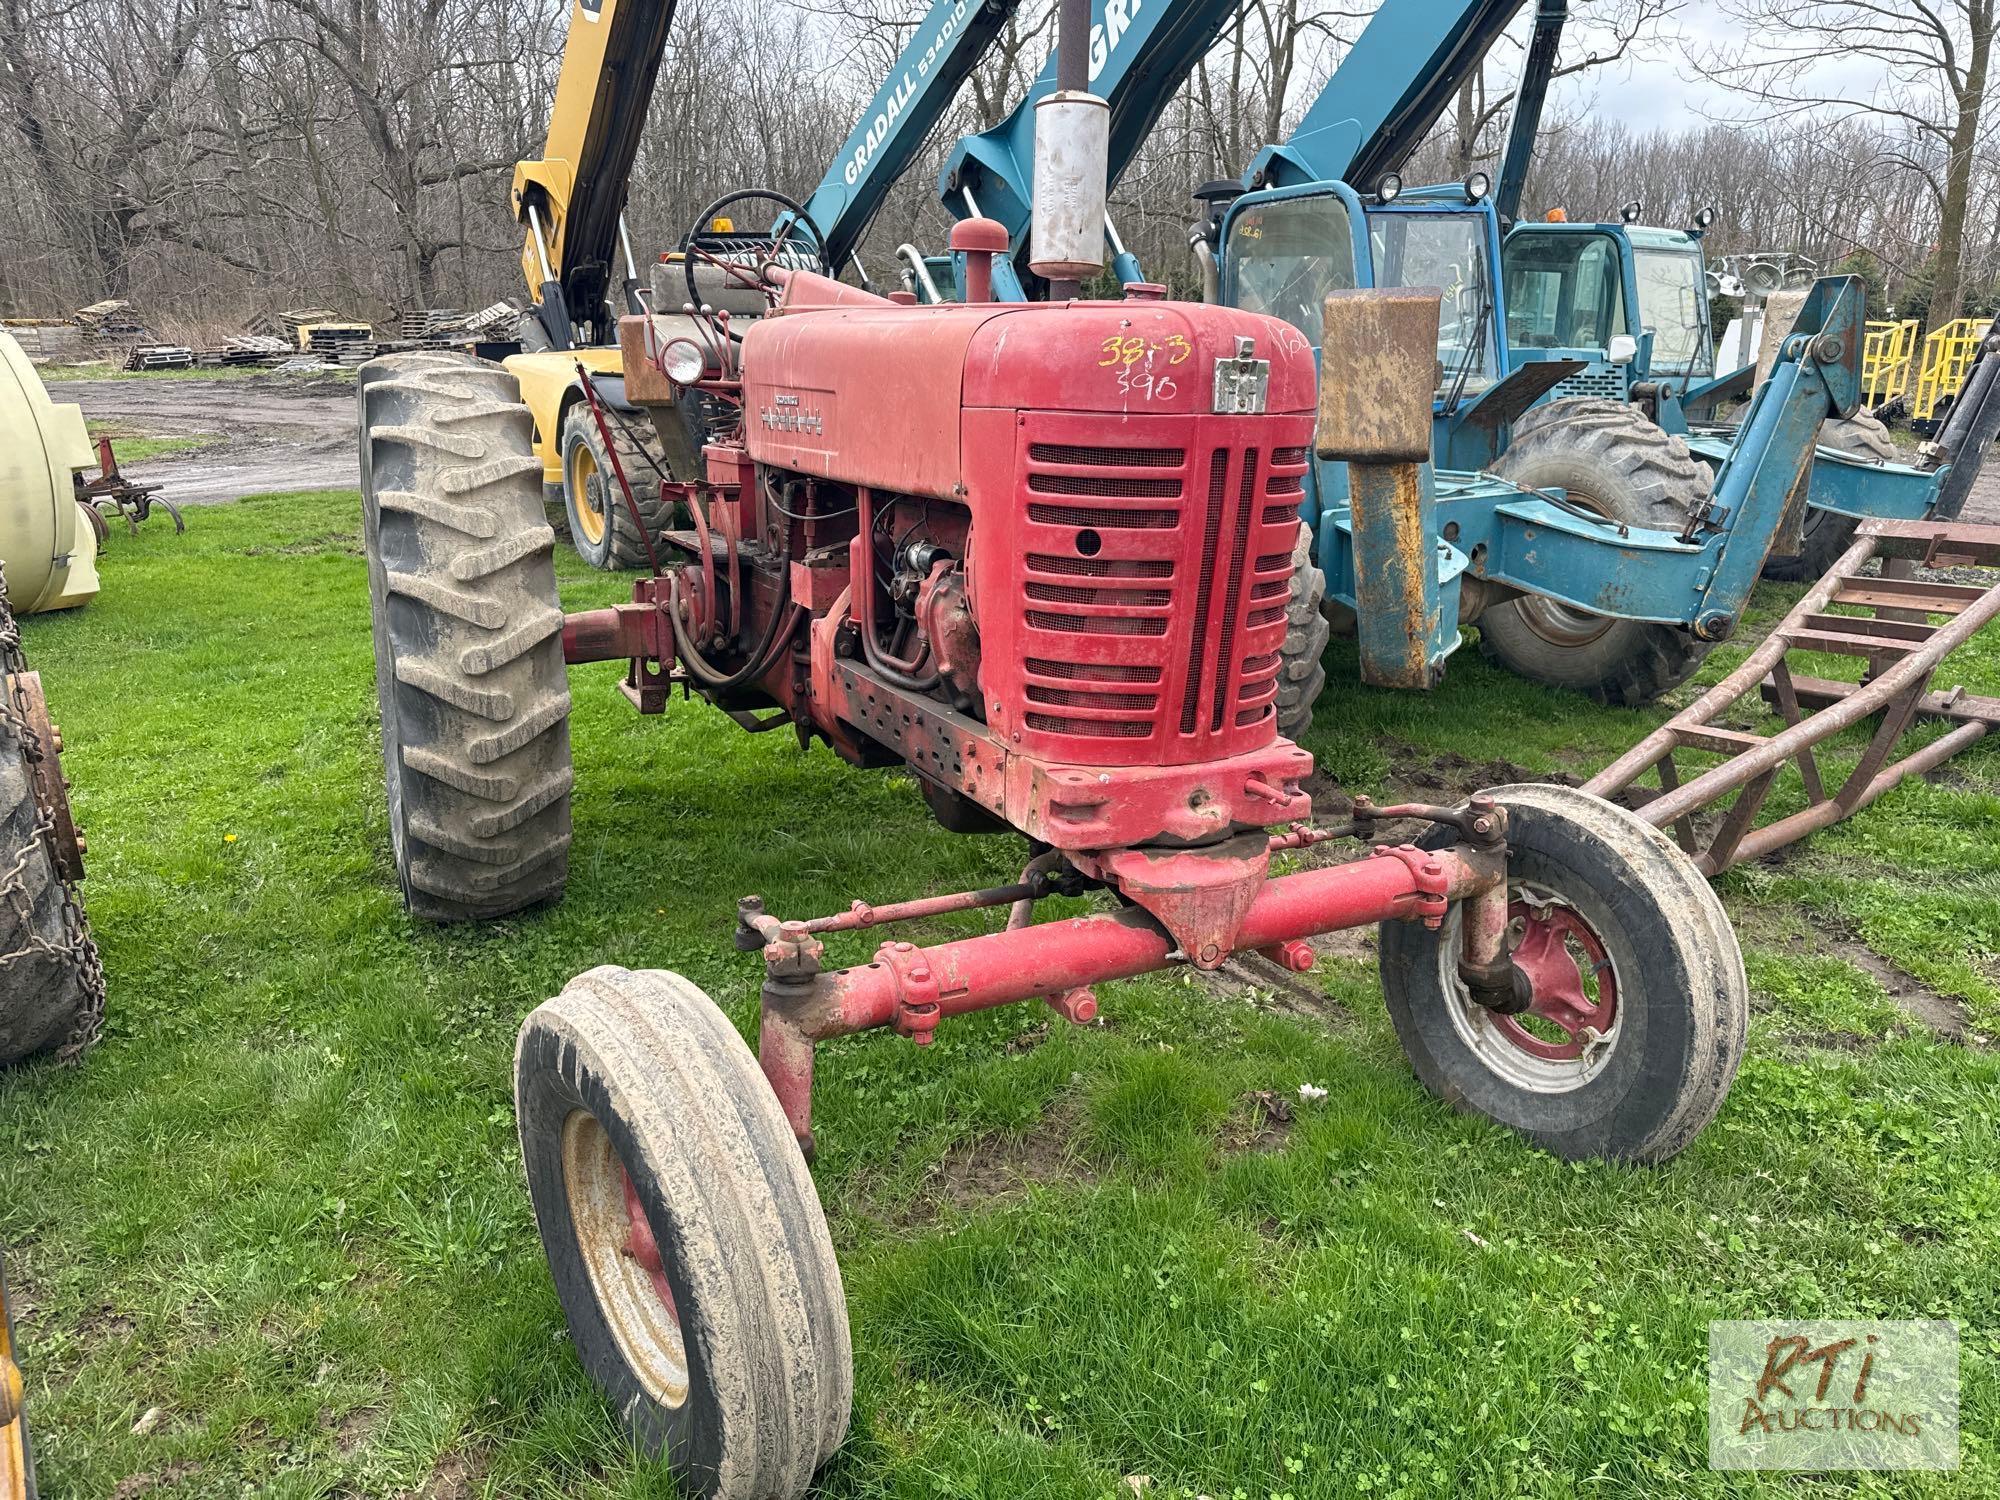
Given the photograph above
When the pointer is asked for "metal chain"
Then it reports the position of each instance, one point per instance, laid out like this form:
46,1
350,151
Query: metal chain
76,948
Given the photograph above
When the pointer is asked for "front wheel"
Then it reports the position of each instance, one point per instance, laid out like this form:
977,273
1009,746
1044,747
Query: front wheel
601,523
1611,461
1640,1001
686,1241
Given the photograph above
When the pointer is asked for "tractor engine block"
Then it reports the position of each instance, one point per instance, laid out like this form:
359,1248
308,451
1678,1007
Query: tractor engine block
1082,517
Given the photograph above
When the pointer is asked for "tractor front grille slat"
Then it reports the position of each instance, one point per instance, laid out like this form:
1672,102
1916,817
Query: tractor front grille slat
1153,584
1107,729
1043,619
1107,458
1105,567
1076,698
1246,495
1105,486
1080,671
1094,519
1056,593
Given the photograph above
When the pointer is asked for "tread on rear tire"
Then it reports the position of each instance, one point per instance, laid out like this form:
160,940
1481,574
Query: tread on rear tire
1611,460
741,1375
468,650
1680,999
1301,672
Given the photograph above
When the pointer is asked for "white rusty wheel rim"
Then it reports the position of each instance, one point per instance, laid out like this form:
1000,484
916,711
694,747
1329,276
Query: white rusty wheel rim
646,1329
1481,1030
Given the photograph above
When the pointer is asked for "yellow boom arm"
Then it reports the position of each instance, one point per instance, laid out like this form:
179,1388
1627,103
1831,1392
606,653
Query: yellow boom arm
572,201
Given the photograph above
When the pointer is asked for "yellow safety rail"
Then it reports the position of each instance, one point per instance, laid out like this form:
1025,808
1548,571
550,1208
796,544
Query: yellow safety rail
1888,350
1948,354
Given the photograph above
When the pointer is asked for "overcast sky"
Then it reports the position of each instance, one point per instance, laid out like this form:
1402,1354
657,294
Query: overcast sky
1656,85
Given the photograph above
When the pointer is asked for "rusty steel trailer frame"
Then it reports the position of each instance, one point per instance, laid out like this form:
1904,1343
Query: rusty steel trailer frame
1903,652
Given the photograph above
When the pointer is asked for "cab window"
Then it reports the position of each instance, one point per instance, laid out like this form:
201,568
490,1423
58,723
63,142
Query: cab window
1447,251
1673,292
1284,256
1564,291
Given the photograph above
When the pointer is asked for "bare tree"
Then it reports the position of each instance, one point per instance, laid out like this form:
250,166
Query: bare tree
1935,55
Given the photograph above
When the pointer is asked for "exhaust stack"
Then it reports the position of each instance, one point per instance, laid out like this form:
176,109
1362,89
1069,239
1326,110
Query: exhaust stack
1072,165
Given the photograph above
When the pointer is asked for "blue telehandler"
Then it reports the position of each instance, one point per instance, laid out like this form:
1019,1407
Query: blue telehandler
1601,541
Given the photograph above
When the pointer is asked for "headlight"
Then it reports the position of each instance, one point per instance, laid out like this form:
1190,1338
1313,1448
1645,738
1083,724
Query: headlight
1387,187
1631,211
683,361
1704,218
1477,186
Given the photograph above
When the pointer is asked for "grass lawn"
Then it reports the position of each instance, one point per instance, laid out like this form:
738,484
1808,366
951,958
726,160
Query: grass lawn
132,447
282,1202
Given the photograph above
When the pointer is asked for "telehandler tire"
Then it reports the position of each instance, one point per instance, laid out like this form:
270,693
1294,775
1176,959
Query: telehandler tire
684,1234
468,650
1301,674
1827,535
1613,462
1609,912
600,523
51,981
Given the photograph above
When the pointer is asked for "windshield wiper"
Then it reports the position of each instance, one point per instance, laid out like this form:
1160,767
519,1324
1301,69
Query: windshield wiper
1473,346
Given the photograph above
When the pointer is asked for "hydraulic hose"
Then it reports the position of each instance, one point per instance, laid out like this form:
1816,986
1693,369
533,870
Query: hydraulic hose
784,620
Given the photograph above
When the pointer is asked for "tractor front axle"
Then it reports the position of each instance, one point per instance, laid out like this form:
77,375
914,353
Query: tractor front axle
912,987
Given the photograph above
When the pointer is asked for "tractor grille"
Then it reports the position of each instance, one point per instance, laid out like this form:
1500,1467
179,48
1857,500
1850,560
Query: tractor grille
1608,384
1152,594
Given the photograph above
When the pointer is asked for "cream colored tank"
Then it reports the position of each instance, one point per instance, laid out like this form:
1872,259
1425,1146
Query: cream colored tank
48,547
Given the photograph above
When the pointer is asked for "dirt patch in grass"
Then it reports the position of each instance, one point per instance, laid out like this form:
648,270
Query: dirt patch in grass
105,1324
1455,775
1261,1121
456,1477
352,1432
1940,1013
1253,977
163,1480
995,1168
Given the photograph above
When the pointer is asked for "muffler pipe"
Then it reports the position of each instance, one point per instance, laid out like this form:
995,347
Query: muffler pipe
1072,165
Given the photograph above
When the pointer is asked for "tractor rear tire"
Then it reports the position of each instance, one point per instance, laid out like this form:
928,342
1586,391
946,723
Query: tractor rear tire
1615,908
1301,673
1612,461
51,981
1826,534
601,524
684,1235
468,649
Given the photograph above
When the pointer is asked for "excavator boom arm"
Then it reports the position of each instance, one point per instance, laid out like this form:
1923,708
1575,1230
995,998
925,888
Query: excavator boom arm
572,200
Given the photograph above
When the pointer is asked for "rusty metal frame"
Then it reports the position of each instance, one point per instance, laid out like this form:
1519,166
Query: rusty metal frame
1903,652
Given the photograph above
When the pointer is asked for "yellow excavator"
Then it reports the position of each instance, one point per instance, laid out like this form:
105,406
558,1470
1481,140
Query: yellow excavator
578,260
571,204
17,1464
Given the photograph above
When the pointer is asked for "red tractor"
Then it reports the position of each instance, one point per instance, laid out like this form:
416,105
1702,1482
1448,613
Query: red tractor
1038,555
